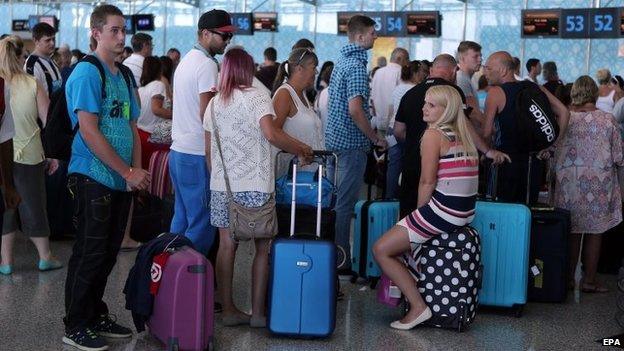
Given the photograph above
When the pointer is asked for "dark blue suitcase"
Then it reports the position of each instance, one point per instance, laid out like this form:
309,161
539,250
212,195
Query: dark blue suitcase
548,258
302,282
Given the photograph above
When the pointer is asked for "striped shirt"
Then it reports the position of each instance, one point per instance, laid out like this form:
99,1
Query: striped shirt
45,72
458,180
452,204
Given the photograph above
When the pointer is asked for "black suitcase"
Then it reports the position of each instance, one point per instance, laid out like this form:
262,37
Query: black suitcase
548,257
147,217
612,250
306,221
548,253
448,269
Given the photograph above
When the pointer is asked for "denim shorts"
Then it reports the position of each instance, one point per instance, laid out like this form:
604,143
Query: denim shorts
219,212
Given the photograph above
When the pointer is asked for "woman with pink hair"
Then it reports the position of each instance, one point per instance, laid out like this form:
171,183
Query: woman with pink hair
241,116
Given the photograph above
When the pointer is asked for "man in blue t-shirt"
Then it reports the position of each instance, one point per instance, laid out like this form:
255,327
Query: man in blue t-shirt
105,164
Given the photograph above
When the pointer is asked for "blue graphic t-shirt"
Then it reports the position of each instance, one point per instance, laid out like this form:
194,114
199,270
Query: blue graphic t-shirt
84,93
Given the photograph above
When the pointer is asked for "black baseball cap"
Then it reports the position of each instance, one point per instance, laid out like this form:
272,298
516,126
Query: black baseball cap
217,20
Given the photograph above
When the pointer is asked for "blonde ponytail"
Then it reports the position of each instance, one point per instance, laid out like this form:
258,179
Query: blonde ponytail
11,48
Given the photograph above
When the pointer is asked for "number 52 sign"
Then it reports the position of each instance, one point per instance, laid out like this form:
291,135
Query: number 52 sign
590,23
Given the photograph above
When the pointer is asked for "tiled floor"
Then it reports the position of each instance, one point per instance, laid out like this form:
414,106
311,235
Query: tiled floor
31,308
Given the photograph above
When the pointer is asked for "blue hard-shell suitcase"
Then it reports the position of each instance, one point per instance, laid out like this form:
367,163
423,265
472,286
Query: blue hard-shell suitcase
302,282
505,233
302,298
372,220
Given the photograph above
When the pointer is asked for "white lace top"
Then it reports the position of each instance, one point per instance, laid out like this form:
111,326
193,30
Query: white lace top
246,152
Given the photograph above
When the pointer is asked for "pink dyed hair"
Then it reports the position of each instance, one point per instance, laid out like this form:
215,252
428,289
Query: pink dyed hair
237,72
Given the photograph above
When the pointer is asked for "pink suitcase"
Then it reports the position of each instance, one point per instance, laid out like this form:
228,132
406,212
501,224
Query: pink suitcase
183,312
388,293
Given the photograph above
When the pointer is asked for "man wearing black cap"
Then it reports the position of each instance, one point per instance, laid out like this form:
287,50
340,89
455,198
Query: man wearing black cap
194,85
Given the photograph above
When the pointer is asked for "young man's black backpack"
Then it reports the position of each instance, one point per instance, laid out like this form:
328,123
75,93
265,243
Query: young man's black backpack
30,69
58,134
536,120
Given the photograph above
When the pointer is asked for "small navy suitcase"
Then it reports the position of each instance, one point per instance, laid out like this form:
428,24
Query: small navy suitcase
302,282
548,257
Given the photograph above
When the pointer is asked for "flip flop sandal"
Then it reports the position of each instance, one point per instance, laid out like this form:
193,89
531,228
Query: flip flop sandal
593,289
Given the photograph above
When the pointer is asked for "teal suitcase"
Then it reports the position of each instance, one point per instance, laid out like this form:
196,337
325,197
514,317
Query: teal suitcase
372,220
505,230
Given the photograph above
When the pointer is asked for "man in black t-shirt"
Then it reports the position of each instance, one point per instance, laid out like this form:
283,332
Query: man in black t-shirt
268,71
409,126
551,77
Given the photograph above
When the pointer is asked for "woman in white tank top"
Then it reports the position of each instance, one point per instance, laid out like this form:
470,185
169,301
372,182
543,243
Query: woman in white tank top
607,95
294,113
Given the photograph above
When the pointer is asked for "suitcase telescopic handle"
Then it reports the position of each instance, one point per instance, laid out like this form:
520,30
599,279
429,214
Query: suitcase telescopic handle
318,157
494,171
293,201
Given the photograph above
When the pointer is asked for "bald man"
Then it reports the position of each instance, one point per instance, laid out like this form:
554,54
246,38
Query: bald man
500,109
383,84
409,127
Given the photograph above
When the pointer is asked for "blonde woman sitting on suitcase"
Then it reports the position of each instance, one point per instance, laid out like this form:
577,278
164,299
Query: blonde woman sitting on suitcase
446,194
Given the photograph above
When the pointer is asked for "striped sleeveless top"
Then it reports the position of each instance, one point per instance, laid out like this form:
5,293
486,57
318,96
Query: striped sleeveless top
455,195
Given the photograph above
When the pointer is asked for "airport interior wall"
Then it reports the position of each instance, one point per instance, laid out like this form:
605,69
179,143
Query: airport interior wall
493,23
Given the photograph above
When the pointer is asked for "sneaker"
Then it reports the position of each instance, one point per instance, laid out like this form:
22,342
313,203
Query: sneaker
85,339
107,326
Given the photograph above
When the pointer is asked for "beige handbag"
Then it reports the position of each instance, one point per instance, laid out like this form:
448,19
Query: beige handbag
246,223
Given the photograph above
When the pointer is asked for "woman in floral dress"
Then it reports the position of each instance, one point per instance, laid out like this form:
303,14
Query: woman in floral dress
586,161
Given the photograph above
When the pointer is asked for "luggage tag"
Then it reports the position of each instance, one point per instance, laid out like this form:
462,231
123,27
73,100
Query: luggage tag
394,291
158,265
537,270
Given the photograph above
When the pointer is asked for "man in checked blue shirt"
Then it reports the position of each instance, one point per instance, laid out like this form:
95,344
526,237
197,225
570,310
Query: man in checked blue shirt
349,133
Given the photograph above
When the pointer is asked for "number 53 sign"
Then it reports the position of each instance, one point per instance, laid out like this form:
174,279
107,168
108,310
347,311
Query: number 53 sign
590,23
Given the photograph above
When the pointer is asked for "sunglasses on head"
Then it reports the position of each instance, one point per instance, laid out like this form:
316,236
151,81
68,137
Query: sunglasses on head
306,51
224,36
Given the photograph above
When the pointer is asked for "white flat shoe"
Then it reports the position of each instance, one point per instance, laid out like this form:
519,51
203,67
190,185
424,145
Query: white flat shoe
425,315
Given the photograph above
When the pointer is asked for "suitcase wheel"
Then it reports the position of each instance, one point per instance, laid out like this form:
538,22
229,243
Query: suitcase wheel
517,310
